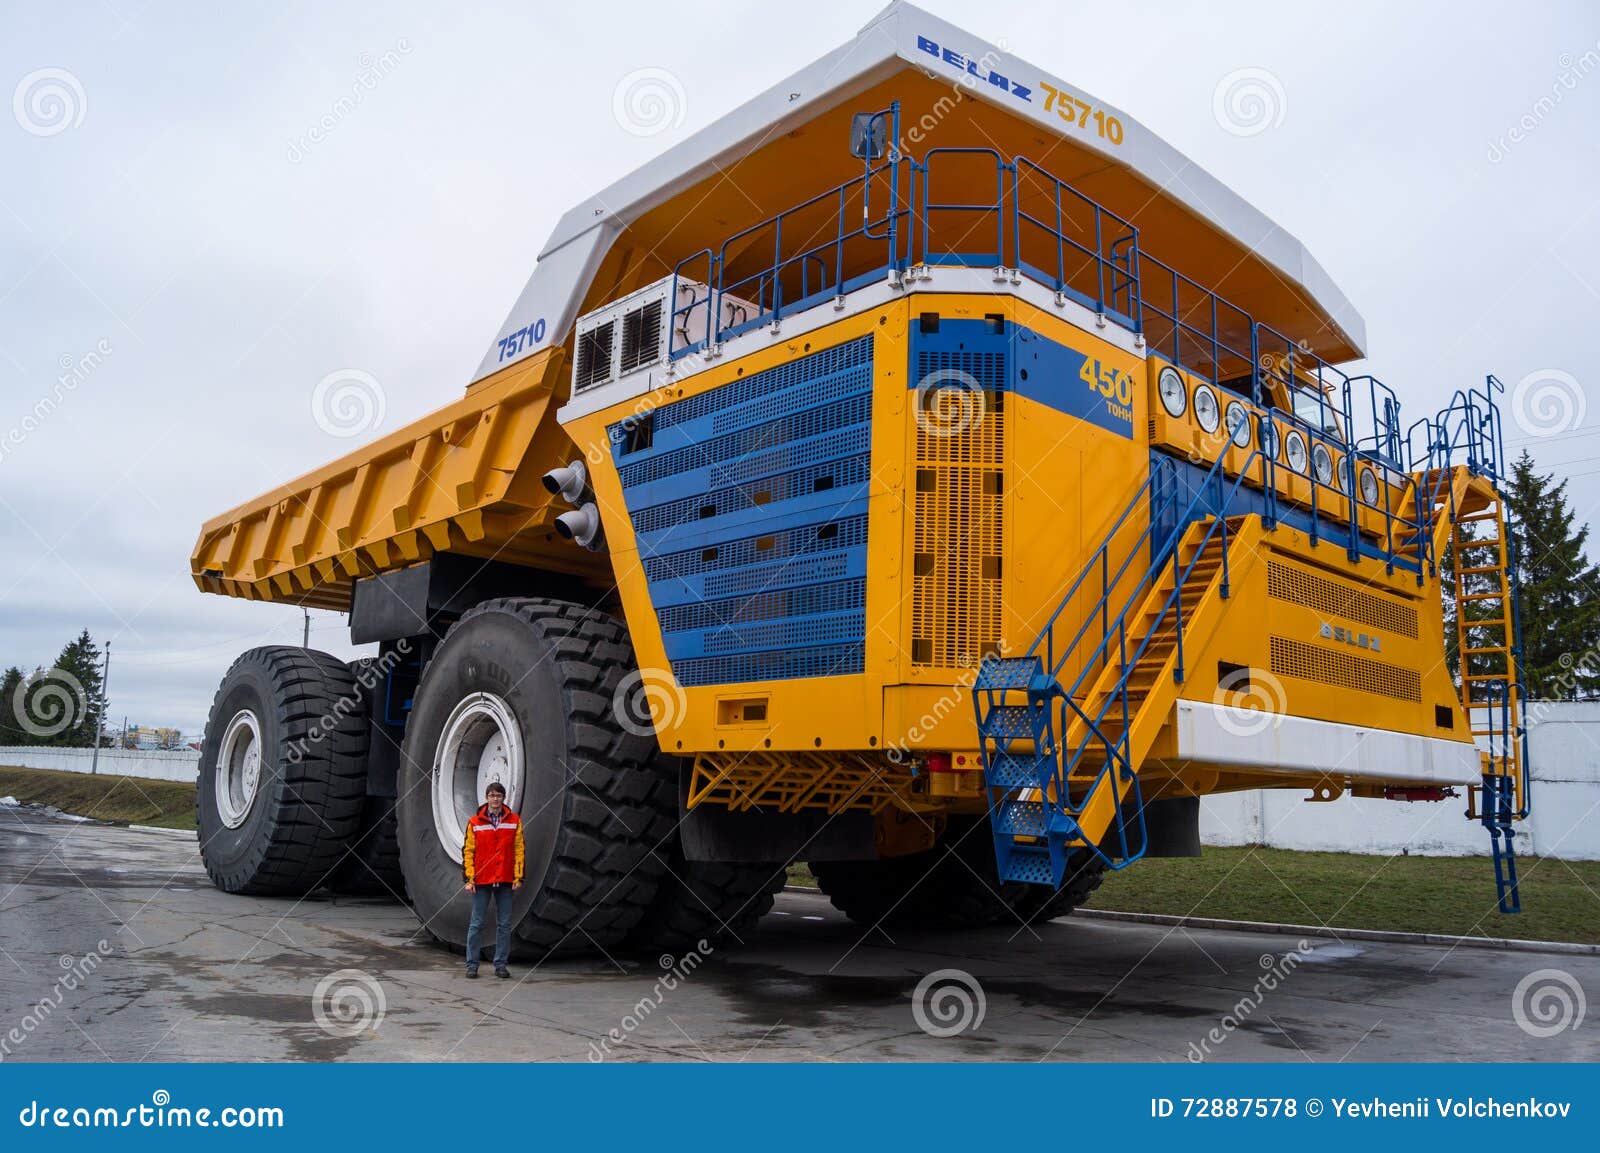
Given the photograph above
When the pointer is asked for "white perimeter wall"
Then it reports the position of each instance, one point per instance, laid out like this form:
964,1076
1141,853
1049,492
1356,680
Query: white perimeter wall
1563,749
181,765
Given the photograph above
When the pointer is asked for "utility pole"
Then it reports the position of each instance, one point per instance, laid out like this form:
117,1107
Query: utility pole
305,637
100,713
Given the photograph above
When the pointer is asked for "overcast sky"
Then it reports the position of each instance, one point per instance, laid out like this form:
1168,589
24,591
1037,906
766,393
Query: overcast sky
170,230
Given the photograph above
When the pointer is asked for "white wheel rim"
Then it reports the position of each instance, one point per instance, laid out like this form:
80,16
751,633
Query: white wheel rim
481,742
238,768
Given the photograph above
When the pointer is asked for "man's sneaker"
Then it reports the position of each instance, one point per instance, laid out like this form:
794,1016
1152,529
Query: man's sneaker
502,971
472,972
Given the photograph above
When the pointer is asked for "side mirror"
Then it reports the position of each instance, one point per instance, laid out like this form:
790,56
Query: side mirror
869,136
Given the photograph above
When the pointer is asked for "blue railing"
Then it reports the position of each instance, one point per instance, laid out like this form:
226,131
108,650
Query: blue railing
892,218
837,242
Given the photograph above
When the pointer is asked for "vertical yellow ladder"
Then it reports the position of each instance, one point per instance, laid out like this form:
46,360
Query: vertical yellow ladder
1486,637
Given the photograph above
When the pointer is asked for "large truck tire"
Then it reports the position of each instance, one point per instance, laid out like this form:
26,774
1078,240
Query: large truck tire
954,885
523,690
282,772
1085,871
371,866
711,901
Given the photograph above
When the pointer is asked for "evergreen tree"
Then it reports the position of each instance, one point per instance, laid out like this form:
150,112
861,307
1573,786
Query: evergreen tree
1560,588
11,733
80,661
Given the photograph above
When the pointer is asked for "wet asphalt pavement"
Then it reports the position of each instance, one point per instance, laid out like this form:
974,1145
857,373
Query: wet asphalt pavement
138,958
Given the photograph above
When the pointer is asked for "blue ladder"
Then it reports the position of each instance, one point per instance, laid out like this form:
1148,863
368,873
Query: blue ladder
1499,812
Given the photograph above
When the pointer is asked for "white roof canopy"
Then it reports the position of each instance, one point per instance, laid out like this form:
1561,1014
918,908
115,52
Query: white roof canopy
897,36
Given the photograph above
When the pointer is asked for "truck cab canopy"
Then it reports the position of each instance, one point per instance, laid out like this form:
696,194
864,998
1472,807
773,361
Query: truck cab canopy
954,91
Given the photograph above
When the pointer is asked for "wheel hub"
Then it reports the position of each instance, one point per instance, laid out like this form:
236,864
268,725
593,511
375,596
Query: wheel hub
238,768
481,742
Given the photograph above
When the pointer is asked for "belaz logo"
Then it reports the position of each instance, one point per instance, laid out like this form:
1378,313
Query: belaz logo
1350,637
977,69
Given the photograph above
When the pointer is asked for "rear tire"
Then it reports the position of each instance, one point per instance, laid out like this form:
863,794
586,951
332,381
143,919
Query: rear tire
539,677
954,885
291,738
708,901
371,867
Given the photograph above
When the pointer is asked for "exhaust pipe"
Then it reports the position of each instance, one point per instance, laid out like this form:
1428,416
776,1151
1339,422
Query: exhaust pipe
581,525
568,483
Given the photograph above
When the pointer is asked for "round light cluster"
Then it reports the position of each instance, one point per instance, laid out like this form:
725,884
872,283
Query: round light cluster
1317,461
1174,397
1207,409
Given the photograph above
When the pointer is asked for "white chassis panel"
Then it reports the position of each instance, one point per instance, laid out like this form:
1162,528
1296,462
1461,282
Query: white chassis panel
1218,734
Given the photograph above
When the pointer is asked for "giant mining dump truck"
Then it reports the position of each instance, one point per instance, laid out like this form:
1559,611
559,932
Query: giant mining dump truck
922,472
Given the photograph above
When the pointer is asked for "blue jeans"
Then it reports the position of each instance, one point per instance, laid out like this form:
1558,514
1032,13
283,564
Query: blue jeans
502,924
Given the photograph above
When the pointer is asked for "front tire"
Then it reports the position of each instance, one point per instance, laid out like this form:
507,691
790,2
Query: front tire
282,772
521,690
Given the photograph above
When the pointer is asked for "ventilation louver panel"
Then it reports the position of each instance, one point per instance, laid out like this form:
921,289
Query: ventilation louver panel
594,357
641,336
749,509
959,501
1291,658
1335,599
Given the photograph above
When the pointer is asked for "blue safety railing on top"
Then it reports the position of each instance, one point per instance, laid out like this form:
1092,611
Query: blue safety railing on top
892,218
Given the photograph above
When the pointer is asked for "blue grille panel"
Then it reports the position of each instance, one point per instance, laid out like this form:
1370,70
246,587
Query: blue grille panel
749,506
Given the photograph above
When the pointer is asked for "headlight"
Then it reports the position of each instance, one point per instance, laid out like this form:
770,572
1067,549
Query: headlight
1174,397
1344,476
1294,451
1322,464
1238,424
1207,410
1369,487
1269,438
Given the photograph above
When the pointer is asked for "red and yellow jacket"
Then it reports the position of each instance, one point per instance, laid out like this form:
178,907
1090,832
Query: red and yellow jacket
492,854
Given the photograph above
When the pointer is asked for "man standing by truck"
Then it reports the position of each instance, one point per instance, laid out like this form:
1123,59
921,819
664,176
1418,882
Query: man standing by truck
492,860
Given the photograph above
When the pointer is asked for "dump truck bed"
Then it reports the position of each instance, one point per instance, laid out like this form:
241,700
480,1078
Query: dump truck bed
464,479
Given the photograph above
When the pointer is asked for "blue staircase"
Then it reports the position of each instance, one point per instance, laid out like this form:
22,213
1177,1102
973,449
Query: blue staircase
1061,757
